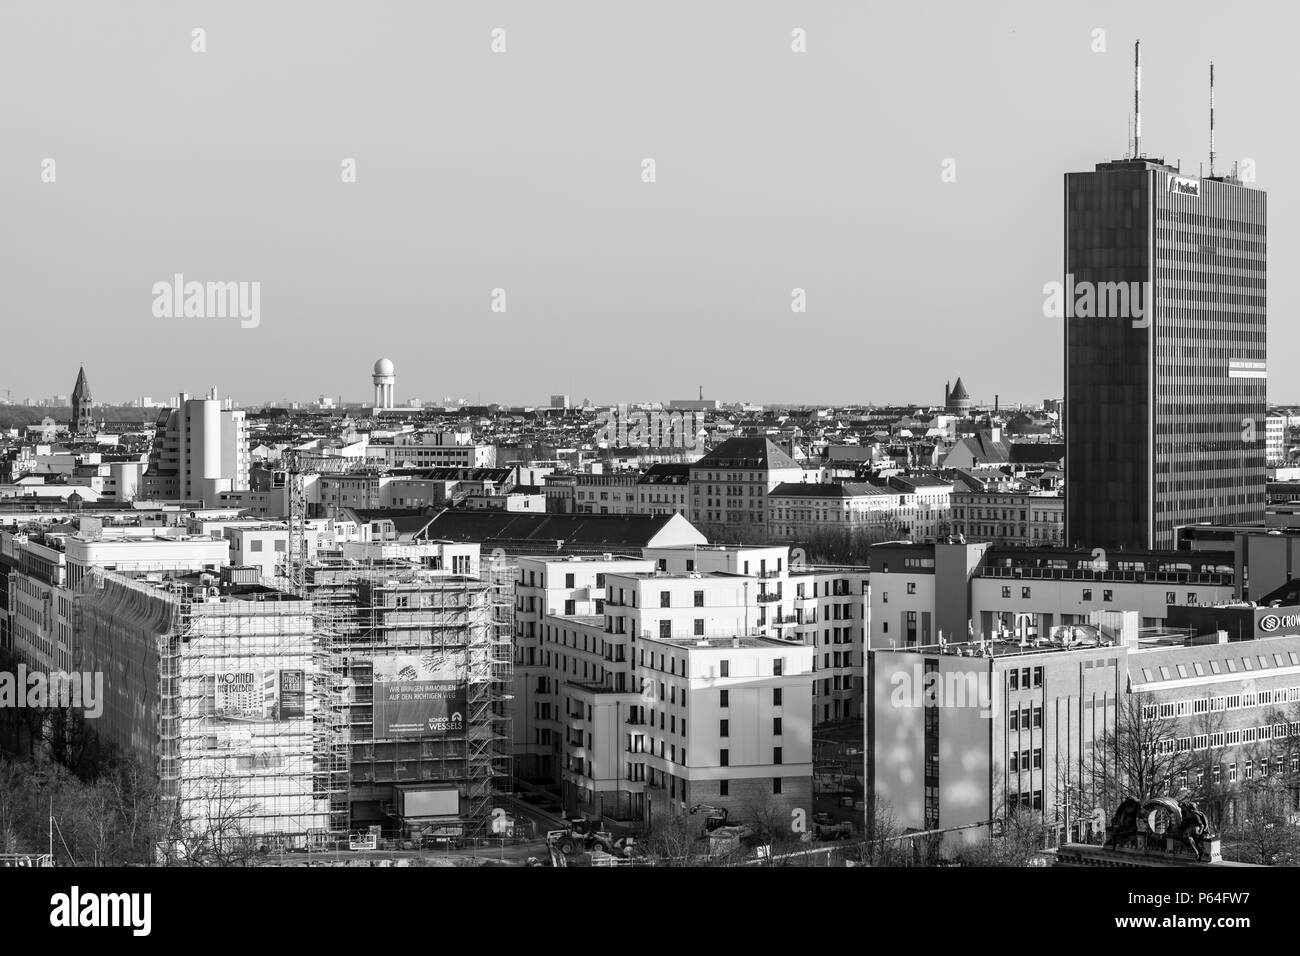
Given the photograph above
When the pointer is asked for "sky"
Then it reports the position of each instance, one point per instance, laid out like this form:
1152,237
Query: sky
905,172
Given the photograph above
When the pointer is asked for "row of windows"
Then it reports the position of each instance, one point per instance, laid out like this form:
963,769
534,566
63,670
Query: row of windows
1107,595
1206,705
1229,738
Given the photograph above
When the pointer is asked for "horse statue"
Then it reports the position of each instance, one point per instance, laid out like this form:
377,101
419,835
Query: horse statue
1124,824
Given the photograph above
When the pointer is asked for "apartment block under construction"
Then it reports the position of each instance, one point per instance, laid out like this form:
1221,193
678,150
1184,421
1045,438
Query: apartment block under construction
224,690
426,660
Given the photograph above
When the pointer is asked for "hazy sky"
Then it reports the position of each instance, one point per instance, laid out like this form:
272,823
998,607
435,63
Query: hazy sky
523,171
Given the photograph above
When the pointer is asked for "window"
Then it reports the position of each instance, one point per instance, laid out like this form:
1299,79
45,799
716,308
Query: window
1087,594
1015,720
1006,592
1038,677
1014,679
699,599
724,758
723,788
568,580
776,755
911,587
776,726
725,668
776,784
777,667
699,627
255,545
723,698
776,696
1108,595
1171,597
1025,592
665,599
665,629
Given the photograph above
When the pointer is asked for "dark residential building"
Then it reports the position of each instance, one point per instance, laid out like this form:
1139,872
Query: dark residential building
1165,348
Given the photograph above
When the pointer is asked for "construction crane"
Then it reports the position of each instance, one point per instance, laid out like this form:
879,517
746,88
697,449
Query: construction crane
296,557
299,463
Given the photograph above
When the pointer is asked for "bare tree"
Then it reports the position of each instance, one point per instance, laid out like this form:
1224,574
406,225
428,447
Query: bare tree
882,846
1262,831
676,839
210,827
1139,754
1023,838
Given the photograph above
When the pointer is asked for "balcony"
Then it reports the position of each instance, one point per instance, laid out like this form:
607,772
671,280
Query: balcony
769,597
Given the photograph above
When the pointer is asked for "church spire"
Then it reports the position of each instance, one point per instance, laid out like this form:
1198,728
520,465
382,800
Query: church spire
82,420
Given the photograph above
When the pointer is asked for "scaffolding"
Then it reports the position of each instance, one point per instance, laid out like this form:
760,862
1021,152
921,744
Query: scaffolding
396,607
266,764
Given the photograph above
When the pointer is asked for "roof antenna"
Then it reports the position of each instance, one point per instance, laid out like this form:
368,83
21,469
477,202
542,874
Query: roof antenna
1128,135
1137,98
1211,119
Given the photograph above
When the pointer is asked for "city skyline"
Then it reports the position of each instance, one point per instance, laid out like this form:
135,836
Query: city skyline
231,189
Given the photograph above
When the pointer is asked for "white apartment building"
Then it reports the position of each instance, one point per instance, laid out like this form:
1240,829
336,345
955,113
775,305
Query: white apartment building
826,608
200,450
580,624
262,546
572,586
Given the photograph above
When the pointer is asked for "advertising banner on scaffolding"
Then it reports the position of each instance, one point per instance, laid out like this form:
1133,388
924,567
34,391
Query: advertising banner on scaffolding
418,695
259,694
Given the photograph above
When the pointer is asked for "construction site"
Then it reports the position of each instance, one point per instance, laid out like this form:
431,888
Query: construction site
425,661
224,689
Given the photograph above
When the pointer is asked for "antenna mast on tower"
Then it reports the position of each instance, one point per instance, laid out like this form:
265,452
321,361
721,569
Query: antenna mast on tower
1211,119
1137,98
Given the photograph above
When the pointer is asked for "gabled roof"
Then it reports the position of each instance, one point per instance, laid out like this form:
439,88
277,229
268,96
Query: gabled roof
666,473
1037,452
812,489
754,452
574,530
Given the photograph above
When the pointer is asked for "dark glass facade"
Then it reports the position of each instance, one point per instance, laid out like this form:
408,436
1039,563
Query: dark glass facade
1165,410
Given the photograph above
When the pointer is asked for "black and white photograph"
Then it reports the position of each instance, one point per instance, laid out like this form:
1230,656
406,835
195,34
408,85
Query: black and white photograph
797,440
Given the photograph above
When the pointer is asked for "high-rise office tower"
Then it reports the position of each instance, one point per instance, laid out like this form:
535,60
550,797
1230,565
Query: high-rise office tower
1165,396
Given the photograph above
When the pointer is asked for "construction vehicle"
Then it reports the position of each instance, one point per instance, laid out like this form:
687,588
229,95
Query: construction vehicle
581,836
825,827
